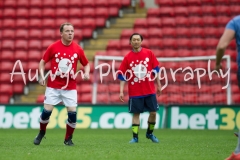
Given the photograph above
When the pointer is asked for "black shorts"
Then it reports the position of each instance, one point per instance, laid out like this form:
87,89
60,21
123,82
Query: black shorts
140,105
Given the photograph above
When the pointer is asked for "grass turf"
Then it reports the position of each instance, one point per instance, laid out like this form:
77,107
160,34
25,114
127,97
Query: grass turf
100,144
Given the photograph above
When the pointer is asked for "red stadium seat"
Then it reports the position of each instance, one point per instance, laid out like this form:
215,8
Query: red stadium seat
223,20
182,21
211,32
46,43
223,10
125,3
87,32
175,99
162,99
21,44
180,2
196,21
102,88
22,23
170,53
126,33
34,55
77,22
114,98
6,89
209,10
18,88
169,32
35,23
114,53
153,12
48,13
101,3
48,34
197,32
48,4
198,43
140,23
21,34
195,10
194,2
35,44
124,44
114,3
184,53
234,9
86,98
9,4
22,13
88,23
75,3
101,12
78,34
88,12
208,2
210,21
89,3
61,12
142,31
164,2
155,33
145,43
184,43
8,23
232,54
167,12
33,66
113,44
168,22
48,23
113,11
235,89
7,55
9,13
205,99
21,55
4,99
156,43
222,2
153,22
211,42
40,98
169,43
8,34
36,3
236,99
62,4
182,32
190,98
22,4
181,11
75,13
35,34
198,52
8,44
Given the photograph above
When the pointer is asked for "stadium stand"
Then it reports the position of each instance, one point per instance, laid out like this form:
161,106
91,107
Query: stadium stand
177,28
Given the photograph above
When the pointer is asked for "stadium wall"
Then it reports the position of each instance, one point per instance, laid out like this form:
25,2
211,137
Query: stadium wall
214,117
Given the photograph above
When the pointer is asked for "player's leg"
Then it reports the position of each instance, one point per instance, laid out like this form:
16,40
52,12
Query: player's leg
135,127
152,106
70,100
236,154
135,107
51,99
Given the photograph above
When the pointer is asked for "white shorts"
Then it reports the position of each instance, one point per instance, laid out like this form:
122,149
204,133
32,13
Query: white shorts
55,96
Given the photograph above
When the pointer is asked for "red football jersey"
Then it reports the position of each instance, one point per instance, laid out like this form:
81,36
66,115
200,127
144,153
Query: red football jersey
64,61
138,67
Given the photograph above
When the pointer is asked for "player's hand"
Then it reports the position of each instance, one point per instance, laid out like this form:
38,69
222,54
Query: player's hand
218,67
86,76
121,97
41,82
159,91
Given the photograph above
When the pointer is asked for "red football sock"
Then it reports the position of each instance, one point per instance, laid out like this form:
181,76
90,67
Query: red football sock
43,126
69,131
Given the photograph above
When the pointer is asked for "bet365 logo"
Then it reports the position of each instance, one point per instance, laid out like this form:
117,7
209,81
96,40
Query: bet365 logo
204,118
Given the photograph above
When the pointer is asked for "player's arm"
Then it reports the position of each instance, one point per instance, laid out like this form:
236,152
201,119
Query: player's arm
224,41
157,79
121,95
41,72
86,72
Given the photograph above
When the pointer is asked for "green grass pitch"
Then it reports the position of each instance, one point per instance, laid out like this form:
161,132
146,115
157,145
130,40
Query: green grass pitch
101,144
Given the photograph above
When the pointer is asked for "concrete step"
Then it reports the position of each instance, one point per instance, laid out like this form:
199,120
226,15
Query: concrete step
135,15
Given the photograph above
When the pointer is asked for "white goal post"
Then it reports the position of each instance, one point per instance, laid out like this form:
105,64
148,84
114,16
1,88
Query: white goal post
99,58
